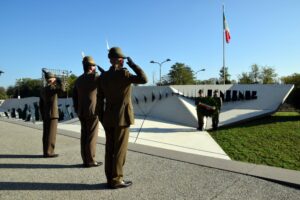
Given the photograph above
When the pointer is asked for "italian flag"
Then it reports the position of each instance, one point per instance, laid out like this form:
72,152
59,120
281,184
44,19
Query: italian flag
226,29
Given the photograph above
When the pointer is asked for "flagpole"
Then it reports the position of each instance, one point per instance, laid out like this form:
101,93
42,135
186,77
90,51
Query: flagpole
223,32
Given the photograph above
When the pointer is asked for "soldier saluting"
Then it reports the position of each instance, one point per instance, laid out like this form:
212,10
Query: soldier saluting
117,115
85,105
49,112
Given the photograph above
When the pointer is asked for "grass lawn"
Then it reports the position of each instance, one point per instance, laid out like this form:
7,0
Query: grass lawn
273,140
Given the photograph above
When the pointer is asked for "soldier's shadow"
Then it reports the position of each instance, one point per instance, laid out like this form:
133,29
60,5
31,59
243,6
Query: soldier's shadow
37,166
20,156
51,186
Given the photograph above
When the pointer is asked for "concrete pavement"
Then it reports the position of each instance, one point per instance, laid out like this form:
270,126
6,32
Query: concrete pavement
166,135
156,173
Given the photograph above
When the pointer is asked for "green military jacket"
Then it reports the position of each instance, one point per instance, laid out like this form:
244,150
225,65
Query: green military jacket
218,103
210,101
114,95
48,101
85,95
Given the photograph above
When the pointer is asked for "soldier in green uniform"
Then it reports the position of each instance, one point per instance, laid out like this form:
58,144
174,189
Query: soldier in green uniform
117,114
49,113
216,113
200,110
85,106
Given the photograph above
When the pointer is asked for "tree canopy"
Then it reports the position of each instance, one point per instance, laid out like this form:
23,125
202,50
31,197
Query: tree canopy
294,97
292,79
27,87
224,74
245,78
268,75
258,74
180,74
2,93
70,84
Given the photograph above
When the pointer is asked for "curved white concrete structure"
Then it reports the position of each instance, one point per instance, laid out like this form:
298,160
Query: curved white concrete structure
174,103
166,115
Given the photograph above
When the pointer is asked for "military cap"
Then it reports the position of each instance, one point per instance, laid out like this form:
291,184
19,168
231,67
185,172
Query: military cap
116,52
88,60
216,91
49,75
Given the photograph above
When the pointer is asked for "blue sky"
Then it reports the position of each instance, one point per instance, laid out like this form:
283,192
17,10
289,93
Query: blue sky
52,33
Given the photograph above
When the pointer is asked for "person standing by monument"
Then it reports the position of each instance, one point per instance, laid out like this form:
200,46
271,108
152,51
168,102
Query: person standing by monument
116,115
216,113
200,109
49,113
85,106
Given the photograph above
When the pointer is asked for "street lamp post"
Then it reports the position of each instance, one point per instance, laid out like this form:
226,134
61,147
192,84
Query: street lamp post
65,80
160,64
19,82
201,70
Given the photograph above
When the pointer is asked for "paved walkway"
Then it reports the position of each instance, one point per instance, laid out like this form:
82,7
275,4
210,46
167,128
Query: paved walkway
156,173
164,135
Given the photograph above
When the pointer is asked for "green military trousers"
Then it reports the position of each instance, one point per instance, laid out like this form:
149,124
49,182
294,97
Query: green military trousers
49,136
88,139
215,119
115,153
200,117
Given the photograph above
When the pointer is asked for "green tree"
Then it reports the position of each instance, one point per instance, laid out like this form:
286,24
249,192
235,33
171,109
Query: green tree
10,91
245,78
30,87
180,74
210,81
255,73
224,73
70,84
294,97
265,75
25,87
292,79
268,75
3,93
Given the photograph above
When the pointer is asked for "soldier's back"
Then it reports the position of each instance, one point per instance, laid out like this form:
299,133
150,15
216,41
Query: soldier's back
86,86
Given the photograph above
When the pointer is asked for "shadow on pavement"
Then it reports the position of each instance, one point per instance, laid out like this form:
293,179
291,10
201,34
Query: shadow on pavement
163,130
38,166
19,156
51,186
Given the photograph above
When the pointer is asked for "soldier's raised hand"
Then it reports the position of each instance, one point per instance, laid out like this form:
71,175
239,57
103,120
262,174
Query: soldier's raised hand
130,61
58,81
